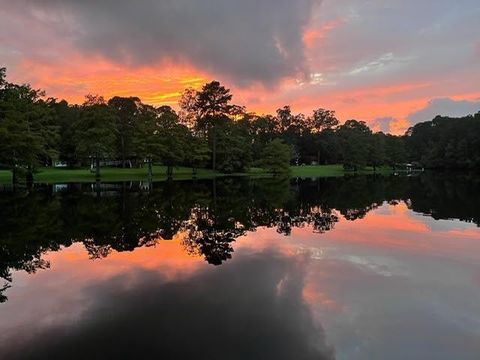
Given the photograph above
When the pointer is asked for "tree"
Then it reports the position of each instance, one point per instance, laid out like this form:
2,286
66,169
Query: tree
147,139
213,100
355,142
285,118
160,136
188,114
211,108
198,153
395,151
126,109
328,147
66,117
173,138
376,154
27,128
3,76
263,129
322,120
95,131
446,143
234,148
276,157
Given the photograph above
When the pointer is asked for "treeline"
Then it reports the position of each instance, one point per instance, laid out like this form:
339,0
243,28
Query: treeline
210,131
446,143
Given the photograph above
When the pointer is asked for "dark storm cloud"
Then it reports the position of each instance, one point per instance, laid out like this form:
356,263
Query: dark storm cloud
247,40
247,309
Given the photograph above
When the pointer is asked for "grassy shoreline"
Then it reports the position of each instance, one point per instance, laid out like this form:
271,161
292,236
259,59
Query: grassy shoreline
58,175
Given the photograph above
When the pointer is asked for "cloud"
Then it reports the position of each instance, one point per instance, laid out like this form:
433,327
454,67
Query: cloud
439,106
374,65
247,41
390,125
445,107
382,124
390,41
209,315
386,57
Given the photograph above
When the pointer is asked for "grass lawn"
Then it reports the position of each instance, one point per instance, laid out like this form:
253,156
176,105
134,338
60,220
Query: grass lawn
332,171
58,175
317,171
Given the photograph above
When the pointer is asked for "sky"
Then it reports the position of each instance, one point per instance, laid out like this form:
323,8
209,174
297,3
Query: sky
390,63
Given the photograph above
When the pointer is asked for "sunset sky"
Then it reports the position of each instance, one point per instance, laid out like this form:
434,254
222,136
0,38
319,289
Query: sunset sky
391,63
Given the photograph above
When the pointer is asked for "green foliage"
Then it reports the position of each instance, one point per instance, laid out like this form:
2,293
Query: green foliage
211,108
213,100
66,116
323,119
147,140
126,110
395,150
446,143
95,130
198,152
233,148
376,155
159,136
174,138
355,144
28,134
276,157
3,75
262,130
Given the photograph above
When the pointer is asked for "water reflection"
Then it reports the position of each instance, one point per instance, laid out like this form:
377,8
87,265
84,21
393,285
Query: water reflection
372,260
210,215
206,315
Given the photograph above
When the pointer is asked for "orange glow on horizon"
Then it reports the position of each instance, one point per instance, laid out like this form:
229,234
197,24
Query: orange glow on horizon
169,257
157,85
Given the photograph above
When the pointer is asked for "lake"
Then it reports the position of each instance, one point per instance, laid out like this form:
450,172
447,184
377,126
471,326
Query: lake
360,267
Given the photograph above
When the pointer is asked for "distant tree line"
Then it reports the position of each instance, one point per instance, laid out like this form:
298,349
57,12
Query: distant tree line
446,143
211,132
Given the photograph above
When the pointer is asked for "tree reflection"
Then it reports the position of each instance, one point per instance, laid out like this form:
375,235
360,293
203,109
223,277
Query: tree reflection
215,246
3,297
209,215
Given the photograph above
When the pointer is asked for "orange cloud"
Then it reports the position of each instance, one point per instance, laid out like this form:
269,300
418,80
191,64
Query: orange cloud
313,36
168,257
157,85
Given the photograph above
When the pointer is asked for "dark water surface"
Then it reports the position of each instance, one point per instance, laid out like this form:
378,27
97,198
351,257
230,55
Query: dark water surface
348,268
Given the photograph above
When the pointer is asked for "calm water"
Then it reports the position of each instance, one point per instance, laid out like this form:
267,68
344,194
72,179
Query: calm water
351,268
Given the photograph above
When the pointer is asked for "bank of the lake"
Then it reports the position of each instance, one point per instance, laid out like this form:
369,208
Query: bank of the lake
62,175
